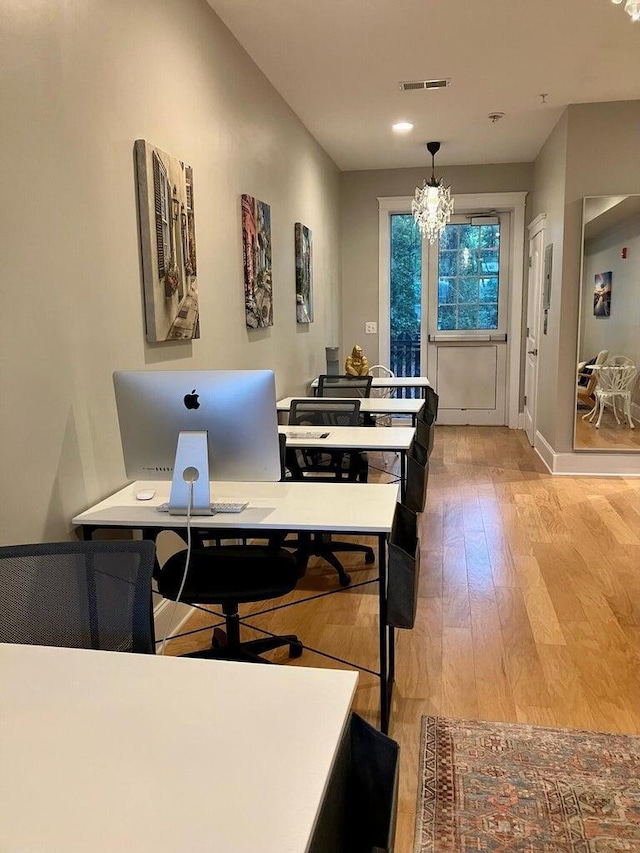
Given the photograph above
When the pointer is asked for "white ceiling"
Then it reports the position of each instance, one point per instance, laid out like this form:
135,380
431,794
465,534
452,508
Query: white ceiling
338,63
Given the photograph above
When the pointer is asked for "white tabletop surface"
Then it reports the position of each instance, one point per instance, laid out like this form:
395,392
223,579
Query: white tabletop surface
332,507
358,438
392,382
368,405
101,751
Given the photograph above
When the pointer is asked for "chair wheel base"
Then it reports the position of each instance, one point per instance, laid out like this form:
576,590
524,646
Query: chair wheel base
295,650
369,558
345,579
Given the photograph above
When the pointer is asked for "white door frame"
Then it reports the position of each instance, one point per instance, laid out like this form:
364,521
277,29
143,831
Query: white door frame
534,305
466,203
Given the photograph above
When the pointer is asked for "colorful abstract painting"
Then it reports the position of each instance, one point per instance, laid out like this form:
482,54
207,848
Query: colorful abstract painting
168,238
602,295
304,274
256,241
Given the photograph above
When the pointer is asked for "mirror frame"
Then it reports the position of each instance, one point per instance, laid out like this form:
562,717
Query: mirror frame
614,212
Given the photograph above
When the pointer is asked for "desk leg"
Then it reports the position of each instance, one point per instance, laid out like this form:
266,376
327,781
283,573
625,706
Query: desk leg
403,475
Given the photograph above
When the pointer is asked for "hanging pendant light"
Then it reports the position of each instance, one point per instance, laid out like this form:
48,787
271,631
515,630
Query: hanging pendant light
432,204
631,7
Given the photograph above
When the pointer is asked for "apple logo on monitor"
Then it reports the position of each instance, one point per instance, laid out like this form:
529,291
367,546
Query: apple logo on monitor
191,400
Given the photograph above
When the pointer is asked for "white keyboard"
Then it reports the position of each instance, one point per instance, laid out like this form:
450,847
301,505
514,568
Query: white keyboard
216,506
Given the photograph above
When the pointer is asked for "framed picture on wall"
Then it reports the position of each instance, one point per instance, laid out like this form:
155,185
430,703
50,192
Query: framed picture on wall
256,246
602,294
168,243
304,274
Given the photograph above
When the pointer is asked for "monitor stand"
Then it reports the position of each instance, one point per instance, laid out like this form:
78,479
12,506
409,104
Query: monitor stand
191,467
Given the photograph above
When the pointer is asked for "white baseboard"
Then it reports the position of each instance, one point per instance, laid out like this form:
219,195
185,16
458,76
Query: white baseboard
581,464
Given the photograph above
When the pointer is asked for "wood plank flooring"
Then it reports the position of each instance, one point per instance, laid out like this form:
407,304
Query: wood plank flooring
529,601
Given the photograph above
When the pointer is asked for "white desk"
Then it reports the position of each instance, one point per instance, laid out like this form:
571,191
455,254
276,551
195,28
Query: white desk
397,382
352,508
394,439
369,405
101,751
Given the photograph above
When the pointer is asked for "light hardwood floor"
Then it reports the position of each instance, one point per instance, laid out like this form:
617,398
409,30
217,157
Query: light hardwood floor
529,602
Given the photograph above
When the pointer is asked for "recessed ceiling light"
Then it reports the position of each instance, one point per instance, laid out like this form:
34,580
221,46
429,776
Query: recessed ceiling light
402,127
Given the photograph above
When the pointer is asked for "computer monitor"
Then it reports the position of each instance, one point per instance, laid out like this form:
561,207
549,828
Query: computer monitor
236,408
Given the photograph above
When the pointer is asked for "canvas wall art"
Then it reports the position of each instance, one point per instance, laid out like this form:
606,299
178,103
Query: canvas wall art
168,239
304,274
256,243
602,295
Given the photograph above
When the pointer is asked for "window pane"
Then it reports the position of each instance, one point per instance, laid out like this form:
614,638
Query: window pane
468,277
405,287
446,291
446,318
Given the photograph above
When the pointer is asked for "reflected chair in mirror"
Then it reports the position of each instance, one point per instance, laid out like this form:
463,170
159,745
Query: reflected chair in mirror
587,378
228,576
615,380
86,595
335,465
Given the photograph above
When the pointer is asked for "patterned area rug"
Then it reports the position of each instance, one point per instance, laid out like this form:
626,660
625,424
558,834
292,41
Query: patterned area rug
526,789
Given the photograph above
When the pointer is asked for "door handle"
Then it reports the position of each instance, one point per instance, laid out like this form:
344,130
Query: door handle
532,352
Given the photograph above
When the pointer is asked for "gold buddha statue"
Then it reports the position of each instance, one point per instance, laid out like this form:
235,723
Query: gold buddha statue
357,364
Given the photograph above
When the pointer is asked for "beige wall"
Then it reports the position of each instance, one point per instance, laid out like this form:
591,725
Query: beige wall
592,151
548,198
80,82
360,223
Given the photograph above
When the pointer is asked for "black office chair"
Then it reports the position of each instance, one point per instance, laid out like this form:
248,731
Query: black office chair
87,595
347,386
336,465
344,386
227,576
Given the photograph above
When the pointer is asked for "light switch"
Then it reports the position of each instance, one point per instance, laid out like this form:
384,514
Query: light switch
371,328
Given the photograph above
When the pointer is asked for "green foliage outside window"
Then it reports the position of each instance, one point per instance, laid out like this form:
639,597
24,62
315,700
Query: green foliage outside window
406,263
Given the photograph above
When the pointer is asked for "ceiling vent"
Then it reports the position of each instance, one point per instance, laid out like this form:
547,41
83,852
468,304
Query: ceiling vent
412,85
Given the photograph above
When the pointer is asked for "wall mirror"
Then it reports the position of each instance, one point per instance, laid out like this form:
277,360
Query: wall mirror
607,391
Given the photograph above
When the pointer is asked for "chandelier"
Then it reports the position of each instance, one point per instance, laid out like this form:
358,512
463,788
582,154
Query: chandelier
631,7
432,204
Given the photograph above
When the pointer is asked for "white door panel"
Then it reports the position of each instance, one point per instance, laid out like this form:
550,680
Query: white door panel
467,377
470,381
536,249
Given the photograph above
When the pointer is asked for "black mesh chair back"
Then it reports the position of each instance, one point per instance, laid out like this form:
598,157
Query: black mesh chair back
88,595
335,463
319,412
344,386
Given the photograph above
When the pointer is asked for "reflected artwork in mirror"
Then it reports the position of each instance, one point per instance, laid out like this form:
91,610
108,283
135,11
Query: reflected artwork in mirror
607,408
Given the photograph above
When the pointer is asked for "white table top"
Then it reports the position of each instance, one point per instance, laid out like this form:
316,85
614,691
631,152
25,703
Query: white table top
368,405
331,507
104,751
392,382
349,438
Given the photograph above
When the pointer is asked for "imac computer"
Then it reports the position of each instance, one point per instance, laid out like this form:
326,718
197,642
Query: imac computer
209,424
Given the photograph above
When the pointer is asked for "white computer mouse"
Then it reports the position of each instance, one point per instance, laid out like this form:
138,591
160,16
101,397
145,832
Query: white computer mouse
145,495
